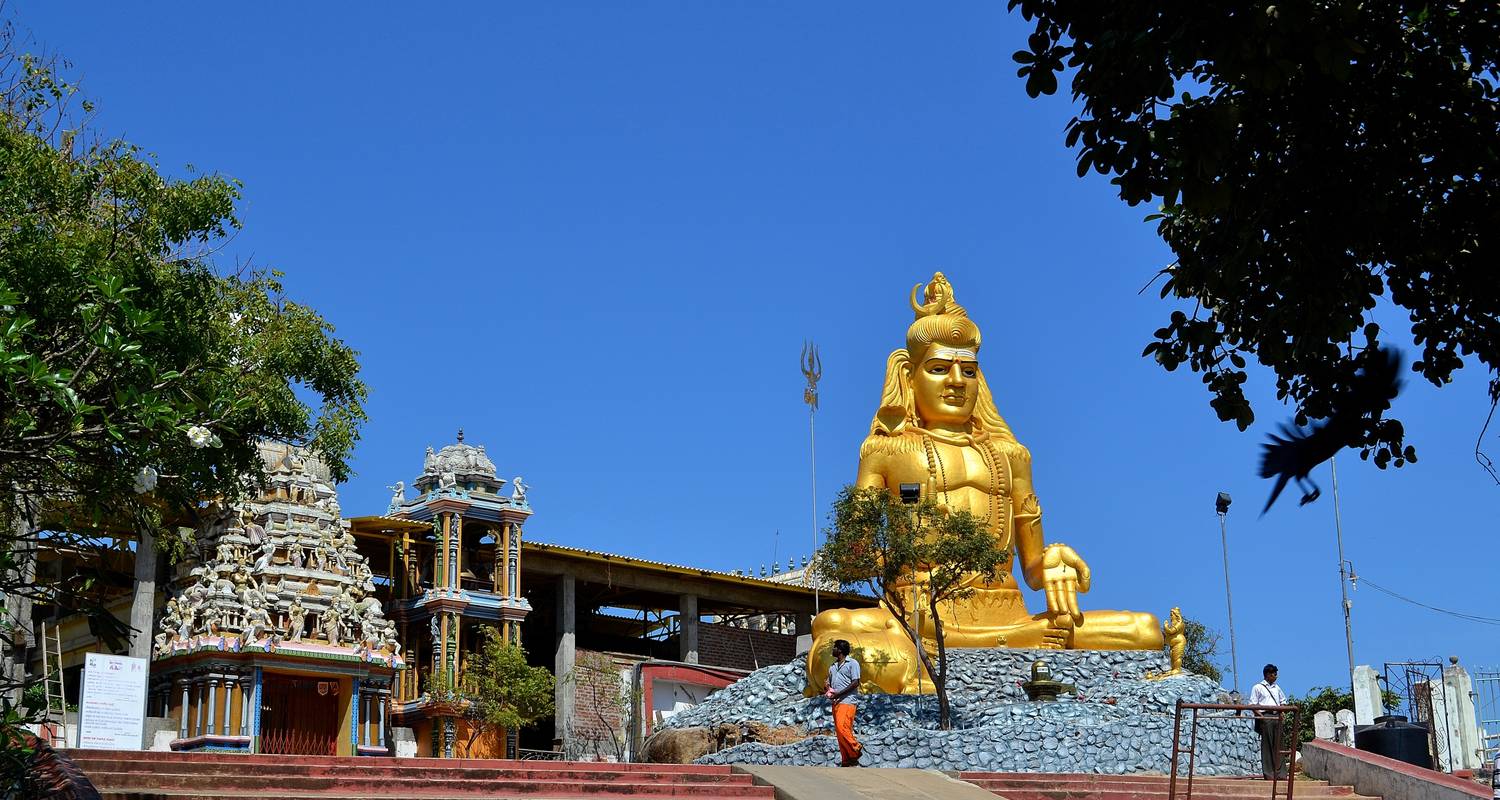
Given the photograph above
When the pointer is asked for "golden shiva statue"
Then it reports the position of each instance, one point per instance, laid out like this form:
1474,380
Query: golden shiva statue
937,426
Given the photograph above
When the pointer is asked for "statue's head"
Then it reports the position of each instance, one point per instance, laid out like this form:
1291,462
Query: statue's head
936,378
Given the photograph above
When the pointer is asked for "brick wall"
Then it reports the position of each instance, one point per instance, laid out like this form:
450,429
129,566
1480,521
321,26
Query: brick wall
599,728
742,648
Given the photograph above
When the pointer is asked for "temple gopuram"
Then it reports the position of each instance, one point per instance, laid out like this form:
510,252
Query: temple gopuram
278,643
460,568
351,635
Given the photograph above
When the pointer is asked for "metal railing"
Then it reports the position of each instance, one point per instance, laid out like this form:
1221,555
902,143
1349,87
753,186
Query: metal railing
1284,743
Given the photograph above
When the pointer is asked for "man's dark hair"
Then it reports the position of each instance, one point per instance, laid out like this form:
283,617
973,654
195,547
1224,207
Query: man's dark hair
841,647
1270,668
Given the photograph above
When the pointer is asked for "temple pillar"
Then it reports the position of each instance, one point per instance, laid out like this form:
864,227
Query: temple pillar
202,706
182,727
502,559
382,709
440,553
229,684
213,699
247,696
514,561
407,589
567,634
688,638
458,551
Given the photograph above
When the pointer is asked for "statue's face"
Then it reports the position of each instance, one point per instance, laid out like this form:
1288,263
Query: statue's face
945,385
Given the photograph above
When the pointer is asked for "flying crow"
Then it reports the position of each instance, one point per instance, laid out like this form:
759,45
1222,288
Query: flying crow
1293,454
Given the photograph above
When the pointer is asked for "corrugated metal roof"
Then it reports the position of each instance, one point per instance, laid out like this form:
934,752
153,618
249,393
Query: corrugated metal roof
662,565
396,523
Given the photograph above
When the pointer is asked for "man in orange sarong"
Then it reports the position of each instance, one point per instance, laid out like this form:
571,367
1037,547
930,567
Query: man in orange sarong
843,688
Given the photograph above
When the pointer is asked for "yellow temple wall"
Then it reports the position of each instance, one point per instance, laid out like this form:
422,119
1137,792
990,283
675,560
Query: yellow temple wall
490,744
346,716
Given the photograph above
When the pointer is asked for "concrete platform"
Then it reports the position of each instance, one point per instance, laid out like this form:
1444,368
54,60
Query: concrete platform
859,783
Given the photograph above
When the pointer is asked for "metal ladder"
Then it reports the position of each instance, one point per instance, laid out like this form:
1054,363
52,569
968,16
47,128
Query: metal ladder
52,684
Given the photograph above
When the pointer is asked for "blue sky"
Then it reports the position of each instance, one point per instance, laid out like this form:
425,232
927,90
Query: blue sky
596,235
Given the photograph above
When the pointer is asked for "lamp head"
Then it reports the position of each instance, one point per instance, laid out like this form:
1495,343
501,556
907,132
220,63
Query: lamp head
1221,504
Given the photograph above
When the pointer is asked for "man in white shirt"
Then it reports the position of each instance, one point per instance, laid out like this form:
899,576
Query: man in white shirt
843,689
1267,693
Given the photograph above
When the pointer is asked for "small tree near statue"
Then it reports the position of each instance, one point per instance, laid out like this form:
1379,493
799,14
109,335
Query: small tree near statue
878,541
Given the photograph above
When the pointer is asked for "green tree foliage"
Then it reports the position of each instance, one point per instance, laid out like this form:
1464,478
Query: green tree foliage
1327,698
502,689
136,379
119,337
1202,647
881,543
1310,159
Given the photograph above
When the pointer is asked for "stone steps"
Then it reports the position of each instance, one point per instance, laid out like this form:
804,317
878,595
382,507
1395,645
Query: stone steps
148,775
1042,786
157,756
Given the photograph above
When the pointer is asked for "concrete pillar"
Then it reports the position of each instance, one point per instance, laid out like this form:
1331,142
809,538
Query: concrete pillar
688,640
1367,704
143,594
1323,727
1458,716
567,640
1343,725
182,727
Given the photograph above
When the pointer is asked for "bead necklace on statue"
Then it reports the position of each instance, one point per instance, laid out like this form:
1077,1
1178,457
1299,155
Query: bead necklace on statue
938,476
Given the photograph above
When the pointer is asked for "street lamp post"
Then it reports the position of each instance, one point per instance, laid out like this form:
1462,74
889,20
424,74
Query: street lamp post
1346,572
1221,505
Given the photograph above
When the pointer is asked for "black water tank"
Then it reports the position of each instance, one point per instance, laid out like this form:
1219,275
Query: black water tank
1394,737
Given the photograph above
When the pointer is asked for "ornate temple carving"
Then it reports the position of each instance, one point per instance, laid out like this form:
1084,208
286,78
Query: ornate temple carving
282,571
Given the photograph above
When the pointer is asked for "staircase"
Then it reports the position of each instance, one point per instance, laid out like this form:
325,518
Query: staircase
136,775
1062,786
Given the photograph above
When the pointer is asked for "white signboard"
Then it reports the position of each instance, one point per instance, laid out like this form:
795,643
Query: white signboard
112,709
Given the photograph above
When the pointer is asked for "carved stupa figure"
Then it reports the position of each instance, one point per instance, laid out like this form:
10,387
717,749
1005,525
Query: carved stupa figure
937,427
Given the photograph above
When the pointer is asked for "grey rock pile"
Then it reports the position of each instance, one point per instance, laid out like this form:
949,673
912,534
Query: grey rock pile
1119,723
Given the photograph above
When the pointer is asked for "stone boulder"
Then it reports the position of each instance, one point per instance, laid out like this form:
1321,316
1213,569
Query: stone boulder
679,745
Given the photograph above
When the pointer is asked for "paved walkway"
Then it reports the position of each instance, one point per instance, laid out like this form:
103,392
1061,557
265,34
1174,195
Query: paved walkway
835,783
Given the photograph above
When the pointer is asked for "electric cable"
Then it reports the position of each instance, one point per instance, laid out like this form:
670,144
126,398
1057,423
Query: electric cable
1459,614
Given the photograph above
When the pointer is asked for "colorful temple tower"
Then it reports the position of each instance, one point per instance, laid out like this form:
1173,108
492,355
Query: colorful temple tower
465,574
277,643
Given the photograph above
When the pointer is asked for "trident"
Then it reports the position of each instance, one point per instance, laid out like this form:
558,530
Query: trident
812,369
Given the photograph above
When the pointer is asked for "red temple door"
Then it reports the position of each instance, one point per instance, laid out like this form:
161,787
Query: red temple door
299,716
